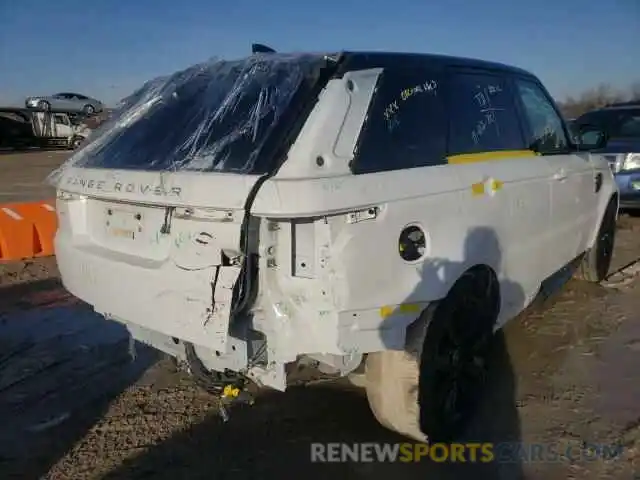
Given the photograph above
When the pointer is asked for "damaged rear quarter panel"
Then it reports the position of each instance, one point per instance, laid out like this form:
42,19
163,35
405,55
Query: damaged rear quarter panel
358,273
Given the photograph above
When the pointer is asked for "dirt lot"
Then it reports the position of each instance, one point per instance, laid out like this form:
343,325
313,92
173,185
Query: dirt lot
22,175
73,405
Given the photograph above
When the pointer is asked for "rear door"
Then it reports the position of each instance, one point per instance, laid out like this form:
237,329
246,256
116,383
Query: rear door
505,186
573,195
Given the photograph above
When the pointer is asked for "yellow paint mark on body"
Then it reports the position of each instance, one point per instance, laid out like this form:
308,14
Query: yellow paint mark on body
489,156
477,189
403,308
480,188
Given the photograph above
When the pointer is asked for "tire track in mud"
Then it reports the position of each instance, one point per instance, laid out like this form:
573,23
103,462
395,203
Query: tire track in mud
41,294
70,376
60,363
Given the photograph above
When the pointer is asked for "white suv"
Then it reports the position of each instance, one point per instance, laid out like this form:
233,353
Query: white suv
377,209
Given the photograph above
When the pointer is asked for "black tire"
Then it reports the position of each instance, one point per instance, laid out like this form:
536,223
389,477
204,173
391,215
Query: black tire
596,262
44,105
455,355
89,110
76,142
402,386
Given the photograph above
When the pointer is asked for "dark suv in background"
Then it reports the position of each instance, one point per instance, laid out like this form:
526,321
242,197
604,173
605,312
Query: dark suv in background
621,124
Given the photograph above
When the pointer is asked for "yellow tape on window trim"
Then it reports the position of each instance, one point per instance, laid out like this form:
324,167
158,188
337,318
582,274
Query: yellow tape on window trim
465,158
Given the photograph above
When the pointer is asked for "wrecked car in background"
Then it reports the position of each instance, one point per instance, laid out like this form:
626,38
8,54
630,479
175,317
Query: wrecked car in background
621,123
22,128
246,215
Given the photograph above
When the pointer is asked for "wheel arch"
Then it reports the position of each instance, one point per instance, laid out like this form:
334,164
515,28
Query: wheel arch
613,198
417,329
392,377
491,277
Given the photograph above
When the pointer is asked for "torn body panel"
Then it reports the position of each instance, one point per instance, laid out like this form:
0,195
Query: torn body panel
343,289
172,282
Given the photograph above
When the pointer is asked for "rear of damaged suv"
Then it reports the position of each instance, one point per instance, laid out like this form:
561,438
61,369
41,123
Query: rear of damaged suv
167,222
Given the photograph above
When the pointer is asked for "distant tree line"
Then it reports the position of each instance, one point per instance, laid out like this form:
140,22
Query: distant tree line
598,97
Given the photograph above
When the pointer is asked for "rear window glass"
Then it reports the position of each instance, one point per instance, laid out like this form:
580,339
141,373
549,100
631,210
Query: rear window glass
211,117
406,125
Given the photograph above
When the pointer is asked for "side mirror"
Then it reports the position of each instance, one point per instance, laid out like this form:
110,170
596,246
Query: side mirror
571,128
590,137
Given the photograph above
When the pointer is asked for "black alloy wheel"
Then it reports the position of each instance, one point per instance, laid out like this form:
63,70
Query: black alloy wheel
455,359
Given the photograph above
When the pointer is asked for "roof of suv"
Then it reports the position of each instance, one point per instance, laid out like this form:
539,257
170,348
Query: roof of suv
370,59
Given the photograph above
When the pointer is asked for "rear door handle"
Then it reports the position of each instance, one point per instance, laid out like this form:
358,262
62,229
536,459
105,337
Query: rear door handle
560,175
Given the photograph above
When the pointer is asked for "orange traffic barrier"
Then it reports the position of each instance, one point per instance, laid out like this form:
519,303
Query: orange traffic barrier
27,230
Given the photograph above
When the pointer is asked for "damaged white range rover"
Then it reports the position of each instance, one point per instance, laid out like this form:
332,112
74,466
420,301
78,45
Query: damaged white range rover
381,213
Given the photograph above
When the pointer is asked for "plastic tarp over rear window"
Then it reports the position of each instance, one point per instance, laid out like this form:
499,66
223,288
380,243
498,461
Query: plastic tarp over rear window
211,117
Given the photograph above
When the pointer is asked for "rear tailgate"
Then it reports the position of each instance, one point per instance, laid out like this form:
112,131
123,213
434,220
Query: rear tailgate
151,209
168,268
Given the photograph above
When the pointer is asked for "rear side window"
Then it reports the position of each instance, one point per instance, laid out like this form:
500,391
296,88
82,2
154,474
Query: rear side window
546,131
483,117
406,124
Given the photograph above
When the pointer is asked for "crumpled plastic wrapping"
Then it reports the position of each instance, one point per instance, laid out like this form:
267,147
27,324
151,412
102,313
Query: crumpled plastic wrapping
213,116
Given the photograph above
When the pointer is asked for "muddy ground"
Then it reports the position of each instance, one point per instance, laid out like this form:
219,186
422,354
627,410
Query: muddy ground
73,405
